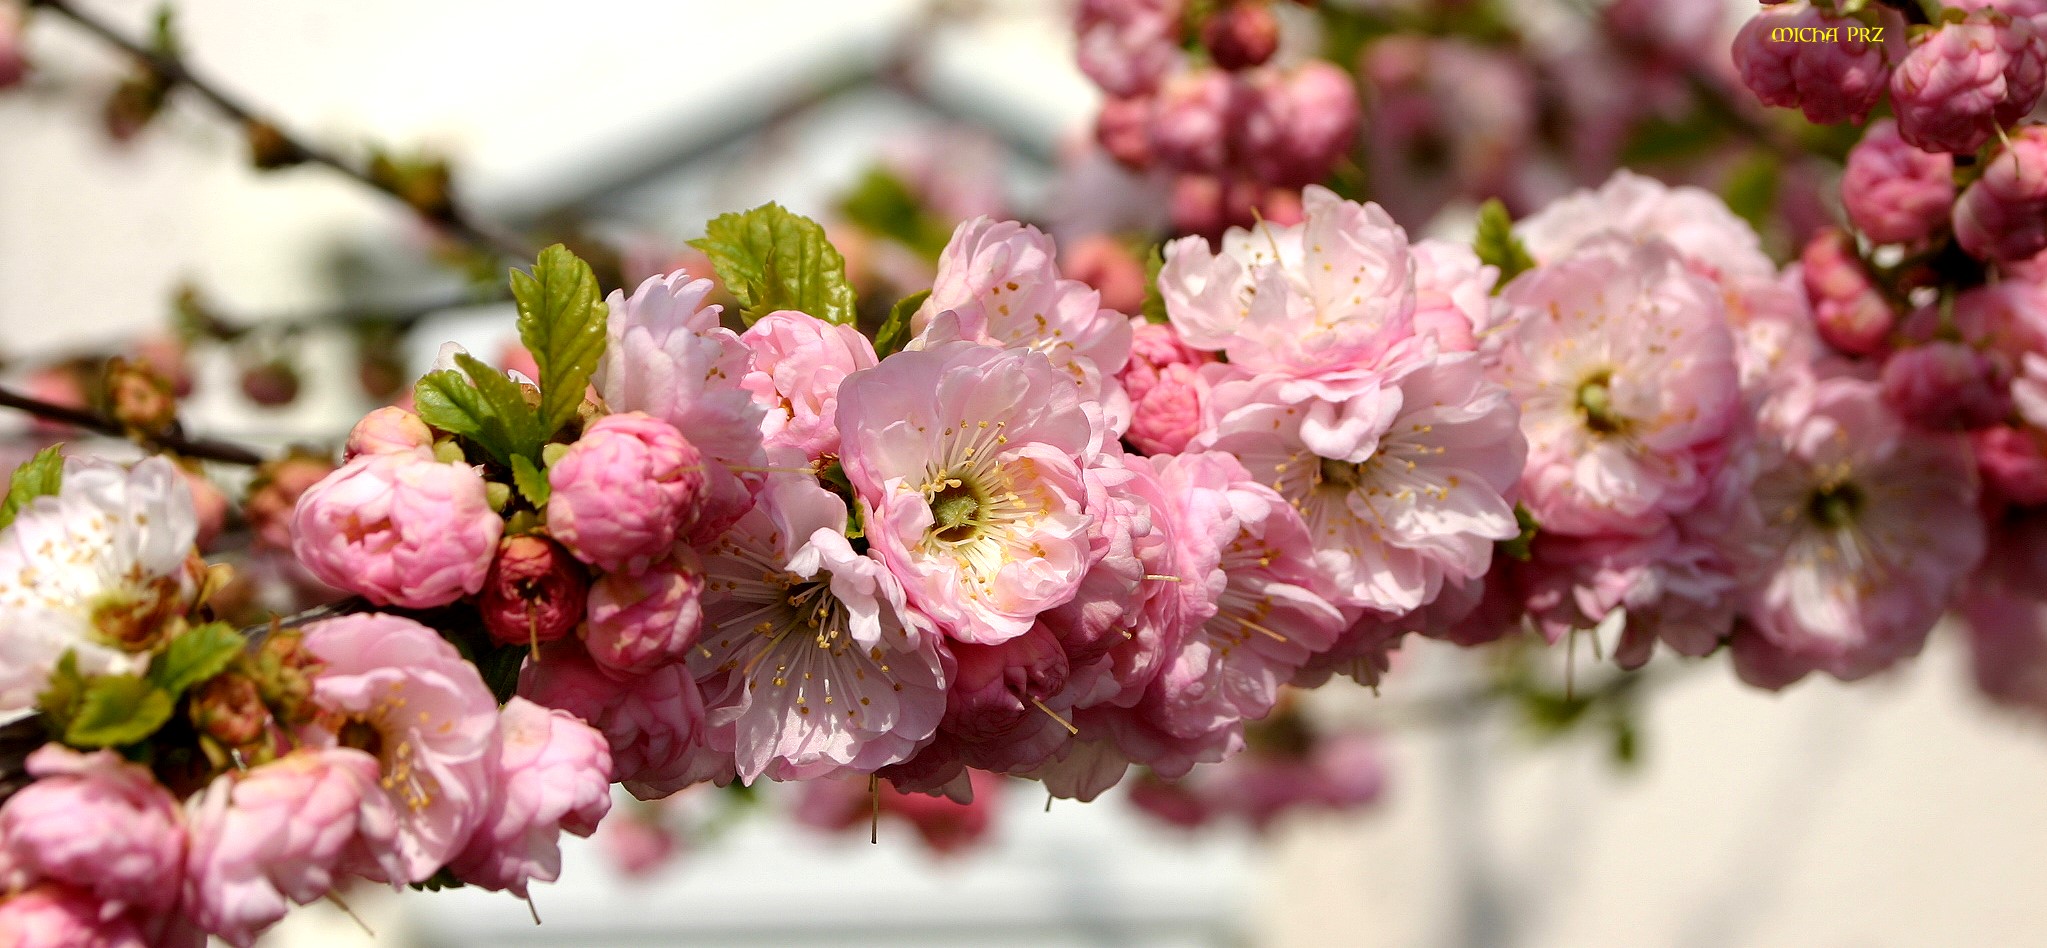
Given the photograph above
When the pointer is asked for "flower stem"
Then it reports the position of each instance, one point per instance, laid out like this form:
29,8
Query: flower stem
173,441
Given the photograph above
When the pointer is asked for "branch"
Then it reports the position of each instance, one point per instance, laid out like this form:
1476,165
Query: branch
173,441
174,72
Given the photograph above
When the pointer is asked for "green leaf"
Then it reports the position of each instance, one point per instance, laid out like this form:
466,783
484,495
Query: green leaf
500,667
882,203
201,652
40,476
508,406
1751,189
1154,300
895,332
1518,547
1659,140
117,710
561,321
1497,245
532,483
771,259
59,700
490,411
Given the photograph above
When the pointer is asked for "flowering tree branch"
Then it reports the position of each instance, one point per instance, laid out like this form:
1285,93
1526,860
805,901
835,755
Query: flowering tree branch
172,441
283,148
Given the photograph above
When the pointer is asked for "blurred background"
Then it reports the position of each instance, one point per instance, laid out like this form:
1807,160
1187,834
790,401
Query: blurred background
1696,813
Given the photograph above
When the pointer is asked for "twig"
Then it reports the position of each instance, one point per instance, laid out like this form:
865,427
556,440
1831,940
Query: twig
173,441
174,72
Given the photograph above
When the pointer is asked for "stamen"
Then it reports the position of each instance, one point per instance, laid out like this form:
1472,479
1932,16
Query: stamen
1054,715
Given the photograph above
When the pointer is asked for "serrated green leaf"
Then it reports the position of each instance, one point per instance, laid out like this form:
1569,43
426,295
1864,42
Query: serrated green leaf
117,710
40,476
531,482
895,332
770,259
1496,244
197,654
59,699
448,400
1751,189
561,321
1154,300
508,408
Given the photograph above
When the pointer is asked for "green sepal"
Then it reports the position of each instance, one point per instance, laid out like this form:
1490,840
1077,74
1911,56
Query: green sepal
1497,246
895,332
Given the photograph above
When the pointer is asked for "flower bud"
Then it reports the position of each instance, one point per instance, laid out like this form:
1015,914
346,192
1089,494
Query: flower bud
2002,216
1242,35
1833,81
400,529
138,398
535,593
229,708
1948,386
624,492
1895,193
639,622
1963,81
1168,415
1190,120
2013,462
271,384
1849,311
1124,128
276,489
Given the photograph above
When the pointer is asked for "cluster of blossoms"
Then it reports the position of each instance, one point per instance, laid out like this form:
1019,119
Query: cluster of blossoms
1239,134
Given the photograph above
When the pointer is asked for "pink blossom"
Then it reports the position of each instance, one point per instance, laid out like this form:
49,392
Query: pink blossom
1190,120
641,621
668,357
2002,216
1332,296
1004,702
1170,414
798,363
1962,81
1123,127
2013,462
1850,312
1453,295
1710,238
1831,81
1624,369
1866,530
404,694
53,916
535,592
1403,486
1663,587
388,430
279,834
1948,386
1127,46
1298,124
651,722
400,529
1109,266
638,843
97,823
553,775
1241,35
808,665
967,462
1895,193
624,491
209,507
1153,346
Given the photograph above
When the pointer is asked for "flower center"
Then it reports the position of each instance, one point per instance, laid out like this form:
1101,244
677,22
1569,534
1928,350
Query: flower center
1341,475
1835,505
1595,403
956,509
362,736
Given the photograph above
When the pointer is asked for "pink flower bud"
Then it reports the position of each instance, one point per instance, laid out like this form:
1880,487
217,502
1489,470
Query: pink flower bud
2013,462
1127,46
276,490
98,823
1153,346
1169,414
399,529
2002,216
641,621
1296,126
1124,128
388,430
55,916
624,492
652,723
1107,265
1963,81
1837,80
1850,312
1242,35
1946,386
1190,120
271,384
1895,193
535,592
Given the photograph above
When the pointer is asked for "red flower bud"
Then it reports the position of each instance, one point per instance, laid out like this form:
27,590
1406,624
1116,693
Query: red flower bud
535,592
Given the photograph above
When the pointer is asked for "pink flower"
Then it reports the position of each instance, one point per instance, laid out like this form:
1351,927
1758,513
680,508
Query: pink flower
280,834
1895,193
807,664
651,723
97,823
1241,35
1663,587
1963,81
967,463
535,592
1123,127
1004,702
400,529
553,775
1403,486
798,363
1127,46
1298,124
1331,296
668,357
998,285
1190,120
1831,81
1708,236
1104,263
2002,216
1169,414
1867,529
388,430
2013,462
1623,366
1851,313
623,492
402,693
53,916
1153,346
641,621
1948,386
1453,295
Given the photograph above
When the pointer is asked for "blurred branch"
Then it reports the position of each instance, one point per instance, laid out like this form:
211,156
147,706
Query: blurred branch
173,441
283,147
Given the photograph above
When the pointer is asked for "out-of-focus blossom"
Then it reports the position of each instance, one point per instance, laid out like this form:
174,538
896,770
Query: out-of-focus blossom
1948,386
1964,80
1829,81
2002,216
1849,311
1895,193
